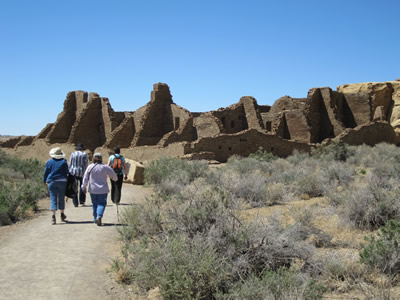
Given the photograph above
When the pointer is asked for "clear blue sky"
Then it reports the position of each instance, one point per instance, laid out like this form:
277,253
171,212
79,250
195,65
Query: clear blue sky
210,53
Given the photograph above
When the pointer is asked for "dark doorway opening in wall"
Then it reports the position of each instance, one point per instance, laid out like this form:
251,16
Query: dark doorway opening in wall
268,126
177,123
232,124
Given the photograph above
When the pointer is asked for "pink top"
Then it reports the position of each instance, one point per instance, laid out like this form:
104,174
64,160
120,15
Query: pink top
98,174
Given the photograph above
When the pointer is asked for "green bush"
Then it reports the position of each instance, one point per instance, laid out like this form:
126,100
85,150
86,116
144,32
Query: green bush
170,175
182,268
282,284
20,187
338,151
263,155
383,252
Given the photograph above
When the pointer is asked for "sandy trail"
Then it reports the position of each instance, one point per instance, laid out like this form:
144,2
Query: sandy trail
64,261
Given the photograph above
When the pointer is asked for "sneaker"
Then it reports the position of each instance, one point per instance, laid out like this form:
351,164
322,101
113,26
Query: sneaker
63,217
53,220
98,222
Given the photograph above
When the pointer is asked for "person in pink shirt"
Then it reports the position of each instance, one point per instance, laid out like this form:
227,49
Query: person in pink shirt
96,176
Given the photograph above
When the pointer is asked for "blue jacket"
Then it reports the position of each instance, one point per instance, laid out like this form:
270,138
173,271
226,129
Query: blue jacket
55,170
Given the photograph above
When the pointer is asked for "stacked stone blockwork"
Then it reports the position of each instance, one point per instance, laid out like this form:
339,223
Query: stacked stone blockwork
355,113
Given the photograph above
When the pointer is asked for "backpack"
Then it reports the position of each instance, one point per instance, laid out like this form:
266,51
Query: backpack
117,164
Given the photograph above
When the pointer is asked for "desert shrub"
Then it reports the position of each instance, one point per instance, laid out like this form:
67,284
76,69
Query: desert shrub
339,174
336,151
169,175
339,271
263,155
20,187
246,165
268,246
383,158
304,175
141,220
303,215
199,245
277,193
383,252
370,205
198,208
248,187
121,272
282,284
182,268
311,183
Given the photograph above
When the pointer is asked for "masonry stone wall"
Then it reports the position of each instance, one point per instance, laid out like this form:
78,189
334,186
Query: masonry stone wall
157,118
90,128
246,142
394,110
207,125
61,131
355,113
370,134
233,118
252,113
185,133
123,135
45,131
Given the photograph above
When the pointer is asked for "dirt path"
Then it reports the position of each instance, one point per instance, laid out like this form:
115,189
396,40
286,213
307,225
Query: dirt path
64,261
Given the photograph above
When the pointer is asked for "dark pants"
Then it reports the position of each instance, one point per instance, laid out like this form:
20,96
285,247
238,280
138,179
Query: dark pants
82,195
116,187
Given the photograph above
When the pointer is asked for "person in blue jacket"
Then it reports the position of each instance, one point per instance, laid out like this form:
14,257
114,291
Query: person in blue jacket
55,176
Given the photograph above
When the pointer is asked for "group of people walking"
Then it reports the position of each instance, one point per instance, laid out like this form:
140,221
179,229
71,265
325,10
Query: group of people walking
92,179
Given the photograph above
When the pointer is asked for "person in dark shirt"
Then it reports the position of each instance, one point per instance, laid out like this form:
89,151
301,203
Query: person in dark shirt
117,162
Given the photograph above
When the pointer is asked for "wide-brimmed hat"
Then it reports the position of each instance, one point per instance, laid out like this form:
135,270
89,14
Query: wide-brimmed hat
79,147
57,153
98,155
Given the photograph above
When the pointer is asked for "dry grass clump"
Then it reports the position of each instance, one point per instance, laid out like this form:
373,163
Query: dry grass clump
268,228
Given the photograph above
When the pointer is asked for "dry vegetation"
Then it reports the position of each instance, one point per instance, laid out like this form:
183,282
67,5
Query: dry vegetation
268,228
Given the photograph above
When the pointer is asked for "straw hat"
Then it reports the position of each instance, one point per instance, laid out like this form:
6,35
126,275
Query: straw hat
98,155
57,153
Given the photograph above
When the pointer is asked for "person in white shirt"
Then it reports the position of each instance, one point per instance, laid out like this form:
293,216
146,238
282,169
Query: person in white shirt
78,162
96,176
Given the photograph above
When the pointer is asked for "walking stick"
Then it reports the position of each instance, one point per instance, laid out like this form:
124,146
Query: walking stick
117,204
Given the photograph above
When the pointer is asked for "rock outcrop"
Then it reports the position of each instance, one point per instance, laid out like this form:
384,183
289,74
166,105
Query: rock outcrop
355,113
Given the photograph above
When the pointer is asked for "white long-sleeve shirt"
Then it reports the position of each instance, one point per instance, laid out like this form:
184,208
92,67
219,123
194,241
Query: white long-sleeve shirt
96,176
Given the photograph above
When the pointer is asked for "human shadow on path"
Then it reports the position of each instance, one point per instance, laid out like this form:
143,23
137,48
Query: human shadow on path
113,224
76,222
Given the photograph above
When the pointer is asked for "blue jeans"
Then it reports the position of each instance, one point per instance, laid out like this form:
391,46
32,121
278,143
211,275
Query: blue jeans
99,203
57,194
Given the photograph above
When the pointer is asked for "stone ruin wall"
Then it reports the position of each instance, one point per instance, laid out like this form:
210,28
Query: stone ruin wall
355,113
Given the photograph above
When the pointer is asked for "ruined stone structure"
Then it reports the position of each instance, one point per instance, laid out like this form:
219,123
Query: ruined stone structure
354,113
